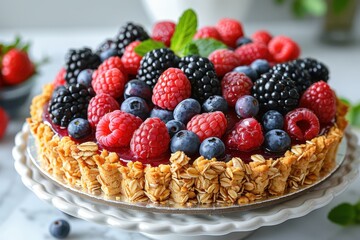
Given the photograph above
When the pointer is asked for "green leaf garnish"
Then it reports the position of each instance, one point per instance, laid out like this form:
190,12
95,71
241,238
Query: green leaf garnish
147,46
208,45
343,214
184,31
189,49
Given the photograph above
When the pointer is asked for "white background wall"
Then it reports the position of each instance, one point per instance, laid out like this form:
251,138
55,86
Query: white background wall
96,13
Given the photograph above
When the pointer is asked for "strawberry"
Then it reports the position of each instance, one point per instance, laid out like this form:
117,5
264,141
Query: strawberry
16,67
4,120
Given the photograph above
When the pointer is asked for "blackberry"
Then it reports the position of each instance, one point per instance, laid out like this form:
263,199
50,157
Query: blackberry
69,102
274,92
301,78
201,73
154,63
77,60
317,70
128,33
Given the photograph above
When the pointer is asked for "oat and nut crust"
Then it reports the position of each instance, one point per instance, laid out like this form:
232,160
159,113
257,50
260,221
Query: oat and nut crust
183,181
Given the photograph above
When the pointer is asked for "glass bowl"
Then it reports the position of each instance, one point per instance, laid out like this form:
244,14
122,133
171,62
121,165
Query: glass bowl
14,98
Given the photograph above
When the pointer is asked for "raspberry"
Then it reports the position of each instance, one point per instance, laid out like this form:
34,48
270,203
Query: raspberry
111,62
247,135
252,51
208,125
224,61
283,49
100,105
171,88
151,139
111,82
230,30
116,128
320,99
261,36
235,85
301,124
130,59
4,120
207,32
60,78
163,31
16,67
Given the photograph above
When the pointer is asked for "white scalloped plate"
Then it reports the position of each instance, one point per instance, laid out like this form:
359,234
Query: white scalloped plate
181,226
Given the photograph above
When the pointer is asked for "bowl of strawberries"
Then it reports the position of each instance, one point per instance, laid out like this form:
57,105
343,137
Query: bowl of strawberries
17,76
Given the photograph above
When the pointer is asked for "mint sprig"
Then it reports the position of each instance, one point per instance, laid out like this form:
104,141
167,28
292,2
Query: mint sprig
189,49
184,31
147,46
208,45
345,214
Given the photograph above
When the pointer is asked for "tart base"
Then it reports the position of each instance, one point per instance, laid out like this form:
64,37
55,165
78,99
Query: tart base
183,181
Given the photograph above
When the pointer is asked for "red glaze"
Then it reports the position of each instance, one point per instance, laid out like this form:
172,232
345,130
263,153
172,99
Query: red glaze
126,155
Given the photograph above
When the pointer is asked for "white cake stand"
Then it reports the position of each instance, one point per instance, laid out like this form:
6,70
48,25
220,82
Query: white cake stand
182,226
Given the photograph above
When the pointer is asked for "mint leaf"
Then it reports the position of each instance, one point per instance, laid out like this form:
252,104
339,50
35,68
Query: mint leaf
184,31
343,214
354,115
208,45
189,49
148,45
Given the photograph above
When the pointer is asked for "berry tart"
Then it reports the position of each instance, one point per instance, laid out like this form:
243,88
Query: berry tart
189,116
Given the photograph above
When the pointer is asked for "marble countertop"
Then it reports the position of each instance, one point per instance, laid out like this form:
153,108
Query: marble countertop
24,216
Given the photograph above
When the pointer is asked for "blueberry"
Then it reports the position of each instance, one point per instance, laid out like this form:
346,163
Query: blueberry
186,109
59,229
242,41
215,103
212,147
107,54
137,88
277,141
247,106
185,141
272,120
79,128
136,106
248,71
85,77
260,66
164,115
174,126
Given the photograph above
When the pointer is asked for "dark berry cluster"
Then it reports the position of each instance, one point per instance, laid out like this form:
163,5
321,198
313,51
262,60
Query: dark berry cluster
201,73
154,63
69,102
77,60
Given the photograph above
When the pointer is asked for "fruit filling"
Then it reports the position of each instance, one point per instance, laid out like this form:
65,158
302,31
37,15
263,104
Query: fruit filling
215,92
